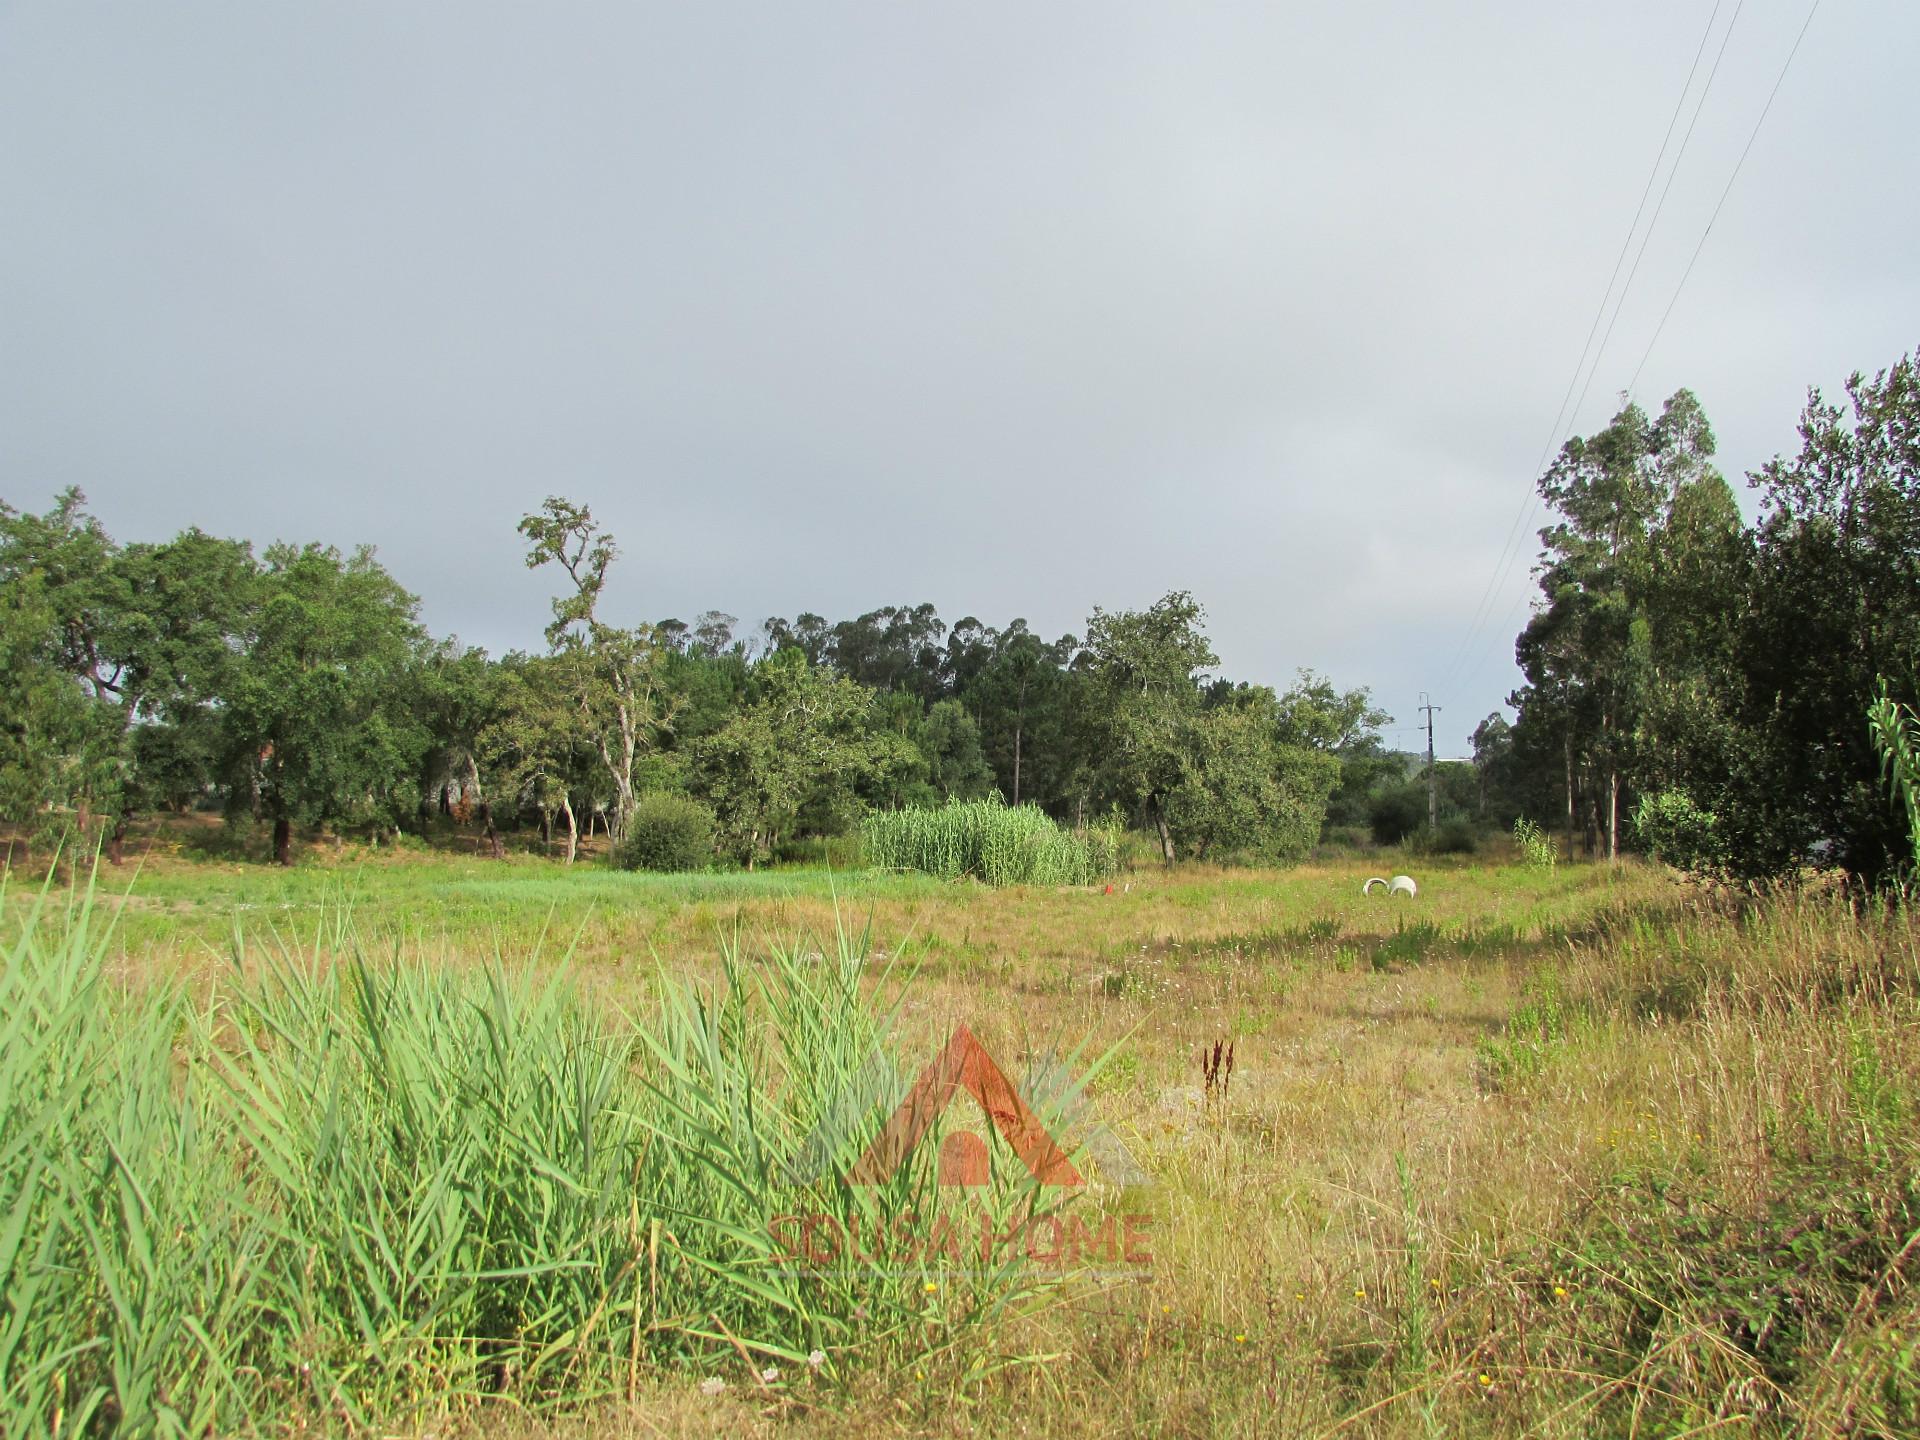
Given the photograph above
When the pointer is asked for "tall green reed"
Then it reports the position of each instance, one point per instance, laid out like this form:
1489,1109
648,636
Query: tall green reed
352,1187
995,843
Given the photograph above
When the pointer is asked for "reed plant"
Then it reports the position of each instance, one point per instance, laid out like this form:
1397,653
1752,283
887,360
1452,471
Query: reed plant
994,843
338,1188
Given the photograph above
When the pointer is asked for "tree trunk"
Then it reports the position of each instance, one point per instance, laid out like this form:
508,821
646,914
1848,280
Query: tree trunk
116,842
282,840
1166,836
1569,754
446,798
1016,762
488,835
573,828
1613,816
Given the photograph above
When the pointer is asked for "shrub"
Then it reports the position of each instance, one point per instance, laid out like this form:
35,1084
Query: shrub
1677,831
1536,850
1454,837
995,843
666,832
1397,813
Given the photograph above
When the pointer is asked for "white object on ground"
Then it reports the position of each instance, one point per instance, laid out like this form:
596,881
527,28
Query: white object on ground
1399,885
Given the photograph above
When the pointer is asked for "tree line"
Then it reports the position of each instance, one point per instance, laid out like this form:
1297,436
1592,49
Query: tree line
297,687
1698,686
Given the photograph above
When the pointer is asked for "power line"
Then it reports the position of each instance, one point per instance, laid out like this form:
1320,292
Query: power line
1659,328
1679,155
1779,80
1509,550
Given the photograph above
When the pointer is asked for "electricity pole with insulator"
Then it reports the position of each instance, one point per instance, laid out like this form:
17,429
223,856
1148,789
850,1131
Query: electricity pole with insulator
1433,788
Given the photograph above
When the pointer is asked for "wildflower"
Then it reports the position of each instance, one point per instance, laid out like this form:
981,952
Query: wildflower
930,1287
1359,1294
1434,1283
816,1358
1240,1339
712,1385
1559,1292
770,1374
1485,1379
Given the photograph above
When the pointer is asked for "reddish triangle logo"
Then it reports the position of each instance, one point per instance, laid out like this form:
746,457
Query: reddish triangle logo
964,1064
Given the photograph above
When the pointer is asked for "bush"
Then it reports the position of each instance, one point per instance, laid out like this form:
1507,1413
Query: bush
1454,837
666,832
1677,831
994,843
1398,813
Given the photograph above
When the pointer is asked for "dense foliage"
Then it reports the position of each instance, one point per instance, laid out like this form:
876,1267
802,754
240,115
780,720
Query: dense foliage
298,689
1708,677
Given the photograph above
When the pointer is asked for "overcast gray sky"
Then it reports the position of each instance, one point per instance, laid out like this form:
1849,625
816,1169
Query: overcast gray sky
1013,308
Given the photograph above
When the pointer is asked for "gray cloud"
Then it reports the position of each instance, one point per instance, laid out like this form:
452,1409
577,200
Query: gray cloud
1017,309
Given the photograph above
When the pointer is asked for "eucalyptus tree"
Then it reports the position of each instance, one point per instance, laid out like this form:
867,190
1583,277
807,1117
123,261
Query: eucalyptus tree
1587,650
617,676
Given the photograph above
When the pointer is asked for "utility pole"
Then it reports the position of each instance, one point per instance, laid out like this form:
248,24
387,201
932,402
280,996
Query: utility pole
1433,775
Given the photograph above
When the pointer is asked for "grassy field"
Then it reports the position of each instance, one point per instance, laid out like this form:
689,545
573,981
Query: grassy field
1546,1153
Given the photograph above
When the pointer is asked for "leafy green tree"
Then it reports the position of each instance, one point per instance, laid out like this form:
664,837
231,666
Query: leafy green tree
1018,687
892,649
1145,668
949,743
1314,715
1587,651
533,748
146,633
809,634
1241,792
618,677
1833,610
808,738
458,695
44,714
318,711
177,637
